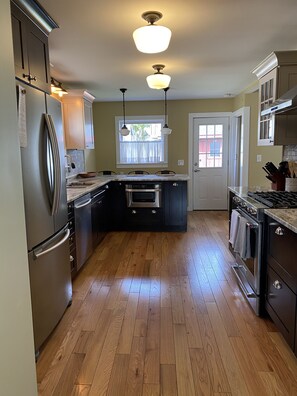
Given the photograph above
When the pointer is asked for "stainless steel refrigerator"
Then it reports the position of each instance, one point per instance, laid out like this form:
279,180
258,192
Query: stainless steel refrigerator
45,210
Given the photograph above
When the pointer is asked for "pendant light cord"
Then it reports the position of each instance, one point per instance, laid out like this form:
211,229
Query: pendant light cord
123,90
165,90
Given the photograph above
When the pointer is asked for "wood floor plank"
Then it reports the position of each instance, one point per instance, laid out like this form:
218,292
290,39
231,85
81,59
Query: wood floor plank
233,372
151,390
152,355
184,374
135,373
80,390
69,375
193,331
217,373
167,351
168,380
201,376
244,317
245,362
93,352
127,331
118,378
103,370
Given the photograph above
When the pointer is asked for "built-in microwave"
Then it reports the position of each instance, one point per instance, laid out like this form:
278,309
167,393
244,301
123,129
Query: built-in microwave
143,195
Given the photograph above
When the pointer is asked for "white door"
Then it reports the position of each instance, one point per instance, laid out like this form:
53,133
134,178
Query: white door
210,169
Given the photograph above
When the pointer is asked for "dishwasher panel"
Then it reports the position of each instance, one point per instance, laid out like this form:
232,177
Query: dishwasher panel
83,229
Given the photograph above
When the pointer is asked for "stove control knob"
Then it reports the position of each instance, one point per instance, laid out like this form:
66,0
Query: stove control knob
236,199
244,205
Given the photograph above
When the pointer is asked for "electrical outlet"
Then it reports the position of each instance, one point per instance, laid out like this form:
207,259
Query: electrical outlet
180,162
259,158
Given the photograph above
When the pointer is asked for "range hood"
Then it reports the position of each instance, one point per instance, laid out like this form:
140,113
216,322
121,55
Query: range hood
287,103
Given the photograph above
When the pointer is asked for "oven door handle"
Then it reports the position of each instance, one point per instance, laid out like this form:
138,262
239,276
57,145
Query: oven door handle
142,190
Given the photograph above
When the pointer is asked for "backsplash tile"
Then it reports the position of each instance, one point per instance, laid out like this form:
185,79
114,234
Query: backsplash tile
290,153
78,158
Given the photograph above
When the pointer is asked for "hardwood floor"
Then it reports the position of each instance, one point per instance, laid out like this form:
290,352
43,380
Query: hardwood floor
161,314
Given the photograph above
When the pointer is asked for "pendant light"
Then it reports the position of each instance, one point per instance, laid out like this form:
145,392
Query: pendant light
152,39
124,131
166,130
158,80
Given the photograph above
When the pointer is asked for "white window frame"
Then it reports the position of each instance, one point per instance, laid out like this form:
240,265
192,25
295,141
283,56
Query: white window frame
119,120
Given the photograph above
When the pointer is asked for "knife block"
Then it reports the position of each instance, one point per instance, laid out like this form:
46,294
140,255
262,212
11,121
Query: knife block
280,182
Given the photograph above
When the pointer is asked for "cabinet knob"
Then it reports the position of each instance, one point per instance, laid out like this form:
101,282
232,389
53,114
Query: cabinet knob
175,184
133,211
154,211
277,285
30,77
279,231
71,259
106,187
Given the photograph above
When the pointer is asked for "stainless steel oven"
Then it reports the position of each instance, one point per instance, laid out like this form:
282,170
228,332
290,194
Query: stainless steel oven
143,195
247,268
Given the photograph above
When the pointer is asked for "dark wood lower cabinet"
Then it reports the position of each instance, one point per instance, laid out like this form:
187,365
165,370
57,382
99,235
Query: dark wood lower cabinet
100,214
281,288
281,305
144,219
175,205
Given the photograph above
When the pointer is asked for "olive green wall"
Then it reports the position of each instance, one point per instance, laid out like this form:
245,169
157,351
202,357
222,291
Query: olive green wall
178,119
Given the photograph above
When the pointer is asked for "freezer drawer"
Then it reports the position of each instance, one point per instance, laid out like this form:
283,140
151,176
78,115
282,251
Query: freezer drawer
50,282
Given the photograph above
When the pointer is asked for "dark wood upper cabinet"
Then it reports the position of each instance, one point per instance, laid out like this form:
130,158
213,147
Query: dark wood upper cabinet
30,46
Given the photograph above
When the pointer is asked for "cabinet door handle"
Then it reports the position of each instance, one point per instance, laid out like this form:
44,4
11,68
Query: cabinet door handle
277,285
175,184
30,77
279,231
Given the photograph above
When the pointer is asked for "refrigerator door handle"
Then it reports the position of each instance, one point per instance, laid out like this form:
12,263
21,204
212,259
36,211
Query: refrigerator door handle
43,252
53,164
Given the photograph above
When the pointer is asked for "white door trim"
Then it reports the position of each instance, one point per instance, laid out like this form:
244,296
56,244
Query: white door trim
192,116
244,113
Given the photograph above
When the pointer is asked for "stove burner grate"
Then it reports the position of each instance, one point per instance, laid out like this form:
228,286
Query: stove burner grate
276,199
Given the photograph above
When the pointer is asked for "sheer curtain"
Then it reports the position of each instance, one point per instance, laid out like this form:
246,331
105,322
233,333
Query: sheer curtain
148,152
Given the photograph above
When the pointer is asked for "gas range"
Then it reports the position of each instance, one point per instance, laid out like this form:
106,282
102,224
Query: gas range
275,199
253,203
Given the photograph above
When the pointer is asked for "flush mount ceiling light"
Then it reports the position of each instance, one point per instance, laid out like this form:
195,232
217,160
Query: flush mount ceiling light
152,39
166,130
124,131
56,87
158,80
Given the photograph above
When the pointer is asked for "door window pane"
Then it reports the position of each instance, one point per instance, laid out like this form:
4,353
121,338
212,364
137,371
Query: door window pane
210,149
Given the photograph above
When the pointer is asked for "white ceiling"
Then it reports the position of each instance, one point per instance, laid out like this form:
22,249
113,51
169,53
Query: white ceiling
214,46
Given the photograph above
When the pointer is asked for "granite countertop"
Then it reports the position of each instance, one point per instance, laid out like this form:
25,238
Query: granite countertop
94,182
286,217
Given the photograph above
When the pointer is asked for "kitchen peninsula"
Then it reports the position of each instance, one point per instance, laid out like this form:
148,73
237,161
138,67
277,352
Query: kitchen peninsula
100,204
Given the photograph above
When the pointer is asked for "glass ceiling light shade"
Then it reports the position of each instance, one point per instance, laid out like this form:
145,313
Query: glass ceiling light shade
158,80
152,39
166,130
124,131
